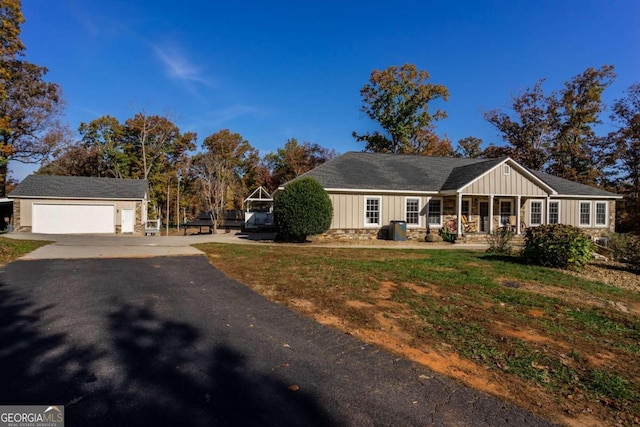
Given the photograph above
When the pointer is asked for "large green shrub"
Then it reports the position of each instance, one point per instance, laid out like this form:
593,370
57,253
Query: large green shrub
302,209
557,245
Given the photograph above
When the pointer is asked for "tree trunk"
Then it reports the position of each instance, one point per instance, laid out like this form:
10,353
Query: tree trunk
4,163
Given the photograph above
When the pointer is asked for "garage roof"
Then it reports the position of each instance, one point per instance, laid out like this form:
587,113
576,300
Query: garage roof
80,187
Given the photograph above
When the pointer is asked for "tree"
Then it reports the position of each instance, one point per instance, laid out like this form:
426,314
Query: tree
220,170
73,160
106,136
29,106
156,138
469,147
398,99
31,113
626,154
528,130
294,159
10,43
574,151
303,208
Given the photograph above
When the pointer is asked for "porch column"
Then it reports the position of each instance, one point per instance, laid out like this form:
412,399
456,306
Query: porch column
459,214
424,211
546,216
490,213
518,202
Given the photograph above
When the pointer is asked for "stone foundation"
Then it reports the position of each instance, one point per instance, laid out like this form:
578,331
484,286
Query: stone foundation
413,234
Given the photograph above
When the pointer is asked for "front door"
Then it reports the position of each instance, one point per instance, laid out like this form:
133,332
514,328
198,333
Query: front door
127,220
484,217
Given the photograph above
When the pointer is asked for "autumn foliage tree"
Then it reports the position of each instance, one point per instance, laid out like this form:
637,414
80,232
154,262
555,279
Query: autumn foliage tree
294,159
470,147
556,133
527,131
574,149
30,107
220,168
11,45
625,154
398,100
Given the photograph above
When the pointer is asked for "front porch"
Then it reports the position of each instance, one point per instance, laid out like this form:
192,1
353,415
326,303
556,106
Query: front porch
467,215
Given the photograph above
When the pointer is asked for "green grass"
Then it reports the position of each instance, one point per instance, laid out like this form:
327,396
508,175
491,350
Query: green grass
12,249
548,328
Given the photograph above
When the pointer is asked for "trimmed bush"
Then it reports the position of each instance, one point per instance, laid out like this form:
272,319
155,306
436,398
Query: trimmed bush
302,209
557,245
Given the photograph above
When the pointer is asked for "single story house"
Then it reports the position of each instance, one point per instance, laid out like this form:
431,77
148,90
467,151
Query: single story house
79,205
468,196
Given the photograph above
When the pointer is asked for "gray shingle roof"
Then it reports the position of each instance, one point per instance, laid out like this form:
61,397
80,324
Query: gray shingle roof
570,188
462,175
80,187
396,172
374,171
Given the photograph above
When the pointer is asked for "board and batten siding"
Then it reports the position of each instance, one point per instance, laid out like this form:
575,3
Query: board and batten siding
570,211
496,182
348,209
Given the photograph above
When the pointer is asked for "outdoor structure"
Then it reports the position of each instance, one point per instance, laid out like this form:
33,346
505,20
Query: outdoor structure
258,211
468,196
79,205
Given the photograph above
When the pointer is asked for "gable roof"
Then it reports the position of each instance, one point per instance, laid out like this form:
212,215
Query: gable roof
570,188
80,187
411,173
390,172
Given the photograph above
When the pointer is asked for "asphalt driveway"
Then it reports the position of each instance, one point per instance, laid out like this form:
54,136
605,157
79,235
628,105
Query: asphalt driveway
172,341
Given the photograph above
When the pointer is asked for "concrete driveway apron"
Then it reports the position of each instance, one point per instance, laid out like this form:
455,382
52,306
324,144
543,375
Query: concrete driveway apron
170,340
97,246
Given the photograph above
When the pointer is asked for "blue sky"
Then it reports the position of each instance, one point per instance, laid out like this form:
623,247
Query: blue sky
281,69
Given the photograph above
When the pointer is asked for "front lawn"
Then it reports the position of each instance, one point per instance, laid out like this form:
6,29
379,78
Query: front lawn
562,346
12,249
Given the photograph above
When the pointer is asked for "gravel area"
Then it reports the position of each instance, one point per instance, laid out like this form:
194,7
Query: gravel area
612,273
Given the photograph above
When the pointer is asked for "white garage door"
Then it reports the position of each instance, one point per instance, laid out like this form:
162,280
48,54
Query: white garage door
73,219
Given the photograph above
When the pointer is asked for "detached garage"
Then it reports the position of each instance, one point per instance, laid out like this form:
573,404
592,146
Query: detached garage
79,205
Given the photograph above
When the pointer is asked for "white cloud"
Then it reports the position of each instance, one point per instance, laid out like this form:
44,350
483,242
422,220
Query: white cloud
178,66
227,114
214,120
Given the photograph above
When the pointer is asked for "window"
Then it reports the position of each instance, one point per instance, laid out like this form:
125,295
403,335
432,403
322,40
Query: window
585,214
372,211
505,211
435,212
535,212
554,212
506,169
412,211
466,208
601,213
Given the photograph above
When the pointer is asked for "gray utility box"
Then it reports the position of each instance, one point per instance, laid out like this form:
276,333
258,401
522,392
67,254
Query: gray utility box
398,231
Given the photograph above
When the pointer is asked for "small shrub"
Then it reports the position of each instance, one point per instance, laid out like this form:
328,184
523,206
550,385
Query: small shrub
626,248
557,245
303,208
448,235
500,241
